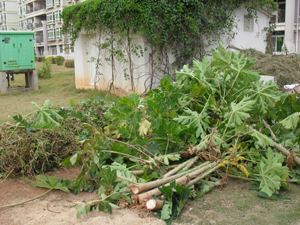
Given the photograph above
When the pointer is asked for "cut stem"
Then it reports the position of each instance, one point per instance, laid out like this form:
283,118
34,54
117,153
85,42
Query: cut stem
156,192
154,204
136,189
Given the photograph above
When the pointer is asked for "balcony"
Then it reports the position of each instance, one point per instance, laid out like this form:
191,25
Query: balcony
38,25
37,11
29,11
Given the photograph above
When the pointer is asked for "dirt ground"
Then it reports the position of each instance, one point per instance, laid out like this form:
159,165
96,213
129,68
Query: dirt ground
54,207
235,204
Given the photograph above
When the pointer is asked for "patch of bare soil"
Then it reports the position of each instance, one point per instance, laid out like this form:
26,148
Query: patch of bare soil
55,207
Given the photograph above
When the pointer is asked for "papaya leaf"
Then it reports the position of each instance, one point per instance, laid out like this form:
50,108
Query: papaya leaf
51,183
199,120
238,113
270,171
291,121
263,140
108,179
45,115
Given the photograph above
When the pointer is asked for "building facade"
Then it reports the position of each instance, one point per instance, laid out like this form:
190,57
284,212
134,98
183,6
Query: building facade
286,34
8,15
43,17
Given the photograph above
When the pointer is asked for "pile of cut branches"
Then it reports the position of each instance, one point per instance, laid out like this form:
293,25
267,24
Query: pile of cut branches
36,143
284,67
187,136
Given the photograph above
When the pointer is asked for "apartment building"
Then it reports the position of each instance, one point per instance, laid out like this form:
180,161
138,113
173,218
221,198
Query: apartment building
286,35
43,17
8,15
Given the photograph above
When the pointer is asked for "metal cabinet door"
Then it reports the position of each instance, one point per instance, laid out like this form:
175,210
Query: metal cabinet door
9,52
26,52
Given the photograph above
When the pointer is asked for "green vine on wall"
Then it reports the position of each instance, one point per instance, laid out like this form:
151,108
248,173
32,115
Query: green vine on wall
180,27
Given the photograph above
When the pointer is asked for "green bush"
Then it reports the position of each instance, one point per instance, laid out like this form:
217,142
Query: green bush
69,63
52,59
59,60
43,59
45,70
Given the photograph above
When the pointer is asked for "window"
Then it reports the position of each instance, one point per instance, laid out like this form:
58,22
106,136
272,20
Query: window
20,25
49,3
248,24
53,50
72,48
24,22
58,33
61,49
281,13
3,5
277,41
23,10
50,18
57,16
51,34
56,2
20,11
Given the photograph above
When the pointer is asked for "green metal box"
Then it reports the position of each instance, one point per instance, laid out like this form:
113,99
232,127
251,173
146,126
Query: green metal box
16,50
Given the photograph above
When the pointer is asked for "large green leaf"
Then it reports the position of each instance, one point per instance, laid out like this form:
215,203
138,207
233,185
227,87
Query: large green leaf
238,113
271,171
291,121
51,183
199,120
265,95
239,66
262,139
222,59
45,115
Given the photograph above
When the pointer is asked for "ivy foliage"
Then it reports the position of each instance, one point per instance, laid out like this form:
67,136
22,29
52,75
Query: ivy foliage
180,26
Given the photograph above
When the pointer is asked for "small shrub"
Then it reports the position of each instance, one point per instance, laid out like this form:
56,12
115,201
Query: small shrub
69,63
52,59
39,59
45,70
43,59
59,60
35,58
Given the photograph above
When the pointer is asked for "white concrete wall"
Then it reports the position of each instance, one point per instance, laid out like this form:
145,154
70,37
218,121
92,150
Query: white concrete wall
86,72
250,39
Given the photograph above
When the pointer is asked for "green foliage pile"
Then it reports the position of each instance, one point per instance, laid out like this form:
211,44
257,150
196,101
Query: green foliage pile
217,116
69,63
44,71
36,144
41,140
286,68
167,25
183,139
59,60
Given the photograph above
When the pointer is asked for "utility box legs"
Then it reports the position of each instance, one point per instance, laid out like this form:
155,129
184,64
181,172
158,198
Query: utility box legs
31,83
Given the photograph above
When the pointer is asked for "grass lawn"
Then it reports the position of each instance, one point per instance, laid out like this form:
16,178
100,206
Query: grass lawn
59,89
